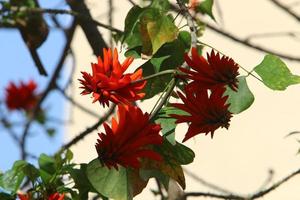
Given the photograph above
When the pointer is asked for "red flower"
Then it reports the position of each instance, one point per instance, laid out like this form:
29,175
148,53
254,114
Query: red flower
128,140
109,83
207,114
22,96
56,196
212,73
23,196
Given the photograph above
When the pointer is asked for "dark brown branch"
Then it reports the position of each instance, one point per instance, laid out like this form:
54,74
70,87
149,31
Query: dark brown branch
51,85
38,63
89,28
90,129
286,9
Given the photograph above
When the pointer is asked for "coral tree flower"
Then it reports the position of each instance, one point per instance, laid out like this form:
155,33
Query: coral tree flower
128,140
21,96
206,114
54,196
109,83
212,73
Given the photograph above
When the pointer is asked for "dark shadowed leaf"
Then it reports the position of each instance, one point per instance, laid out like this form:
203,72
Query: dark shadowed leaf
240,100
122,184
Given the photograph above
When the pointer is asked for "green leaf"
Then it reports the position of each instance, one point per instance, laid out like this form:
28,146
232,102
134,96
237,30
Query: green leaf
240,100
162,5
50,132
47,167
12,179
206,7
120,184
5,196
173,157
132,35
156,28
81,182
275,74
31,172
169,56
167,123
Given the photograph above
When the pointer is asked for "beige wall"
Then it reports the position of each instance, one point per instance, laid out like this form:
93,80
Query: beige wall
237,159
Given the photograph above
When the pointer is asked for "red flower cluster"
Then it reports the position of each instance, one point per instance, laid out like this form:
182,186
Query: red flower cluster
22,96
128,140
109,83
206,112
54,196
215,72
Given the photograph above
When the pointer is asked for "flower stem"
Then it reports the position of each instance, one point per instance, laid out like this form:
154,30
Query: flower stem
169,71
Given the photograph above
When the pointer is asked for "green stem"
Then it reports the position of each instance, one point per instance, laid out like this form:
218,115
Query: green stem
164,99
170,71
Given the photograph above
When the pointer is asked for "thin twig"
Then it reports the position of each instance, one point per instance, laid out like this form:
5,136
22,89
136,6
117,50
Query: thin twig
286,9
51,85
81,107
256,195
89,130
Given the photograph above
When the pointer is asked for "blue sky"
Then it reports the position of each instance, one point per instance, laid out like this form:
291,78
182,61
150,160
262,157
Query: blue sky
16,65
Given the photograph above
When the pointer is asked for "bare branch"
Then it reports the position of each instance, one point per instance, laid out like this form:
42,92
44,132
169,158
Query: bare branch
81,107
83,134
51,85
286,9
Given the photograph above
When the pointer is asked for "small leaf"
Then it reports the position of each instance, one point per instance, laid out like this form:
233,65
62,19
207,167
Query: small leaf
51,132
47,167
275,74
240,100
205,7
120,184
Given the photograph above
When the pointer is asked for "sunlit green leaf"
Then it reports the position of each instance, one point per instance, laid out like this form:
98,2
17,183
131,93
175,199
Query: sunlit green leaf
275,74
240,100
206,7
12,179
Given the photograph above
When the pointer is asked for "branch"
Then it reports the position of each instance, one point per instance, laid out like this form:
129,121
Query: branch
244,41
37,61
190,22
51,85
89,28
247,197
286,9
71,100
89,130
251,45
